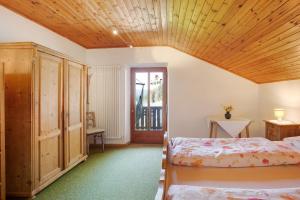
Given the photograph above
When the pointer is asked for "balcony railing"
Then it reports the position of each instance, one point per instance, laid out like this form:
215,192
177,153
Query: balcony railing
153,122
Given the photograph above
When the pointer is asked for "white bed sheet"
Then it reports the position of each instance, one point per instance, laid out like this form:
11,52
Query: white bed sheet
231,152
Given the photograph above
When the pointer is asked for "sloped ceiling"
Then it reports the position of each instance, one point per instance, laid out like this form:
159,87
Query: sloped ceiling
256,39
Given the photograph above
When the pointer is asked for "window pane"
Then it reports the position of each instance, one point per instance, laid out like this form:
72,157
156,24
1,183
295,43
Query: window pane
156,100
141,101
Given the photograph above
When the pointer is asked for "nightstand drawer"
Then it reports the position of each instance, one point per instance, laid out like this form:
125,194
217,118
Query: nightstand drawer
273,133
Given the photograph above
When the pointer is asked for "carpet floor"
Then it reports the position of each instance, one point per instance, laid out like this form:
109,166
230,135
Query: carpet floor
128,173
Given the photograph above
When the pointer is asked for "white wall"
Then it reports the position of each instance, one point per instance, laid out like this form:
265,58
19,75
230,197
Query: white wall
15,28
285,94
196,89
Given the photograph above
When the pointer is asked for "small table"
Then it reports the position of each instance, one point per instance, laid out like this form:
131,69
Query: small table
278,130
96,132
233,127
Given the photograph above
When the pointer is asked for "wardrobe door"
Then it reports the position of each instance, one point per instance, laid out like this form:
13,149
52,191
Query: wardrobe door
50,138
2,135
74,101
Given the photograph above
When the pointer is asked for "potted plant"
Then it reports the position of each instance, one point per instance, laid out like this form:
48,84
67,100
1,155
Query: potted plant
228,109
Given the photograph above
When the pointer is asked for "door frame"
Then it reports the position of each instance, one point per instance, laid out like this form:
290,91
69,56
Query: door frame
150,137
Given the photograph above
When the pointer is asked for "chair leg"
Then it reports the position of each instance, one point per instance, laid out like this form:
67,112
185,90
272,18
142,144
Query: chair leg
102,142
95,139
87,145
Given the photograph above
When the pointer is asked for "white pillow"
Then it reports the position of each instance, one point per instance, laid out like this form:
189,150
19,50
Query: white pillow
293,141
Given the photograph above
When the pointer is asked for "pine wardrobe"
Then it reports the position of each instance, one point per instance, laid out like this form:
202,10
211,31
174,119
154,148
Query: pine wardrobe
45,116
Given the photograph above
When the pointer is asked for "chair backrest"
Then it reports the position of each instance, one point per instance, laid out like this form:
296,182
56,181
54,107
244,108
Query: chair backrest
90,120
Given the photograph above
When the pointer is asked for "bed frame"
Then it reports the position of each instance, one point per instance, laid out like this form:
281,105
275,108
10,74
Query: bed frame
254,177
162,185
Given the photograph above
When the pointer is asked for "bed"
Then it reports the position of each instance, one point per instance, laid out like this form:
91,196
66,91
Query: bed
221,179
185,192
231,152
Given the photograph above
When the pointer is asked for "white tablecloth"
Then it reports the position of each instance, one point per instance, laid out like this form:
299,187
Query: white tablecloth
233,126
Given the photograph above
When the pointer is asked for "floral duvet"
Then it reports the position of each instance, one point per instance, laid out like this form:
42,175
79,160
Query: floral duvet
184,192
231,152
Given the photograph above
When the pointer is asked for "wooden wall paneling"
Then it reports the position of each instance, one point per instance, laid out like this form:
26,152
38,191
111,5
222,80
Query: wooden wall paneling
228,21
154,23
175,16
162,5
285,45
126,15
241,22
209,10
133,27
169,20
92,24
223,22
196,12
71,13
158,20
211,26
120,9
271,64
250,52
2,135
74,108
236,35
179,26
274,61
142,21
243,12
117,10
282,14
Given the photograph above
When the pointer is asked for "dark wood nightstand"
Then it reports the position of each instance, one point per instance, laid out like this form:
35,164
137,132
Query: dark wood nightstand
277,130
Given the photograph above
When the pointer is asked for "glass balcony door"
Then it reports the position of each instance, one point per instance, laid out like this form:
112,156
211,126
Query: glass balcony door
148,104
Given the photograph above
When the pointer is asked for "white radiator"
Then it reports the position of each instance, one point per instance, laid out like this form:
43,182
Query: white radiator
104,99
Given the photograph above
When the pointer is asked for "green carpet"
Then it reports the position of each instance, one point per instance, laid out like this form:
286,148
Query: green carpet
129,173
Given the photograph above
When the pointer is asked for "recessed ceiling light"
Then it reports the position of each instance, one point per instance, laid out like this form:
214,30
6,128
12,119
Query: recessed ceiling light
115,32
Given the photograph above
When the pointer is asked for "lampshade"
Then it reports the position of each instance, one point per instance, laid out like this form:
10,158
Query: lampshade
279,113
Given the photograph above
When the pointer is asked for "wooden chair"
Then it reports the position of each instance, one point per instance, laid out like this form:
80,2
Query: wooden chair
92,130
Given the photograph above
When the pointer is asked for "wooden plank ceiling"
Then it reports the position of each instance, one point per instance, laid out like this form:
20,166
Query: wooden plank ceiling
256,39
